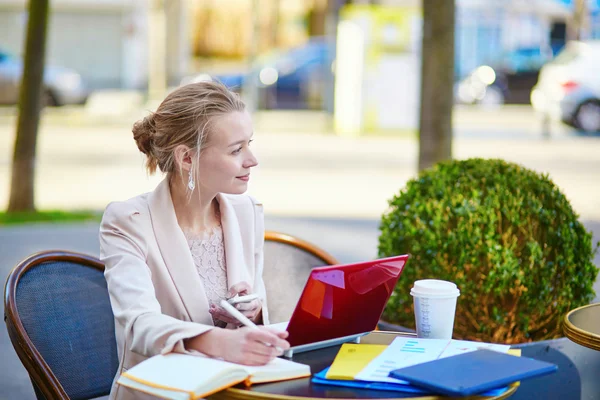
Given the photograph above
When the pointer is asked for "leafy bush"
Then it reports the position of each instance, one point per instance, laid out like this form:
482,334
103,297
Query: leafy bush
505,235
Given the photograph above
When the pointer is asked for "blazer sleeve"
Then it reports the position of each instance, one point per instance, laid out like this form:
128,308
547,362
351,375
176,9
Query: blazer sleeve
146,330
259,248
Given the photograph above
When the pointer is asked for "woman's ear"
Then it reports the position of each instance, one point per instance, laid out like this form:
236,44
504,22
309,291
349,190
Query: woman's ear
183,157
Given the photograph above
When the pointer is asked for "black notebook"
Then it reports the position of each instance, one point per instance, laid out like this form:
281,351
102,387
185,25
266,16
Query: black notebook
471,373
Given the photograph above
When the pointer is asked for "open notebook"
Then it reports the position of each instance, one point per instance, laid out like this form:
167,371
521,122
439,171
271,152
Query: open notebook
183,376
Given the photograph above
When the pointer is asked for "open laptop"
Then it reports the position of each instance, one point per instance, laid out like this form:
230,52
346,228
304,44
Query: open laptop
340,303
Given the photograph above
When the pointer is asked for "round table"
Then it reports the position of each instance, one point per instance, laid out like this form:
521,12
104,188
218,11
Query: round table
582,325
302,389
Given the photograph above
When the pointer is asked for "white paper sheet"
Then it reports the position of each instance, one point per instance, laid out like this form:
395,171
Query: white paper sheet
404,352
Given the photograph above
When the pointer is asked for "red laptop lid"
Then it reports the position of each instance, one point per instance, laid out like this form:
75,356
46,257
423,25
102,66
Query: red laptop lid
343,300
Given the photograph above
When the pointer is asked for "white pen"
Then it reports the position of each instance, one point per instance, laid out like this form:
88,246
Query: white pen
234,312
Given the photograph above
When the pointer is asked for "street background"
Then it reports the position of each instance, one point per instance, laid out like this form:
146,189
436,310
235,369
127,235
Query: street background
323,188
334,90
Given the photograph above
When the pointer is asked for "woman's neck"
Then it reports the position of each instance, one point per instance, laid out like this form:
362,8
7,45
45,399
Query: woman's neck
196,213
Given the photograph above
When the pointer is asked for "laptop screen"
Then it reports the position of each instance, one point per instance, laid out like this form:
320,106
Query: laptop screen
343,300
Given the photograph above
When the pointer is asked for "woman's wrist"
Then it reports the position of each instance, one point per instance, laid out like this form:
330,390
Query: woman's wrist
208,343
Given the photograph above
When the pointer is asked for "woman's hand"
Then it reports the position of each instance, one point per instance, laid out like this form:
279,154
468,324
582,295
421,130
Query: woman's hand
252,309
246,346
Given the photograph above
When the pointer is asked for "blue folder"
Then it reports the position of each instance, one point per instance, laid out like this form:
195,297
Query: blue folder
472,373
319,378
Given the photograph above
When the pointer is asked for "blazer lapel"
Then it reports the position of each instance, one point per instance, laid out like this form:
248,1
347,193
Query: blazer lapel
176,254
237,270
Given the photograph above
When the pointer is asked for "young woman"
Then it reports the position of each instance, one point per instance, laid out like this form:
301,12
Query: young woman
171,255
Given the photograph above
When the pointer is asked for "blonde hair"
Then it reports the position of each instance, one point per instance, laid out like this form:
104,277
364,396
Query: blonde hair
183,118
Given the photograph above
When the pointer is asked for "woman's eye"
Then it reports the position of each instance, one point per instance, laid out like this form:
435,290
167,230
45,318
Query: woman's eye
236,151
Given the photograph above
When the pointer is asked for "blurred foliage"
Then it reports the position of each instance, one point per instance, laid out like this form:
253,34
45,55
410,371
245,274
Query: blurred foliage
505,235
14,218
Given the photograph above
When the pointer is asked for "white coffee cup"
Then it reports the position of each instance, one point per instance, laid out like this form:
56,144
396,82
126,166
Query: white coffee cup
435,306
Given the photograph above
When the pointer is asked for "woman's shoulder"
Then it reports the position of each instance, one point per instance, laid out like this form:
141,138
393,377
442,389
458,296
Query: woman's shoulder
129,218
120,210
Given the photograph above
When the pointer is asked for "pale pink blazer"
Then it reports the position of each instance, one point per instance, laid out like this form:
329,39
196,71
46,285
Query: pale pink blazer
156,294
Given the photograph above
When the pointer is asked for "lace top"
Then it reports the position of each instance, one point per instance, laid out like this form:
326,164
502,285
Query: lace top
208,252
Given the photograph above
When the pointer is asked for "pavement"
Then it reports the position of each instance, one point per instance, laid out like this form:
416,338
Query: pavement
86,162
326,189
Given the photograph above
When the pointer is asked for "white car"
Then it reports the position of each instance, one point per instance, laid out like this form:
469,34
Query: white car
568,87
61,85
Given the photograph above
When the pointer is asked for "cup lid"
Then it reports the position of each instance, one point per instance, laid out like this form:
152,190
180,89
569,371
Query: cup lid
434,288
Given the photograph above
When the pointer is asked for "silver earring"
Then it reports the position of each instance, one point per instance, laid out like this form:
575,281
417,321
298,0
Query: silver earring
191,183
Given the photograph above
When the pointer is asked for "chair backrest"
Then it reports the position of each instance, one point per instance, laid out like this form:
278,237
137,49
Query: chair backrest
60,322
288,262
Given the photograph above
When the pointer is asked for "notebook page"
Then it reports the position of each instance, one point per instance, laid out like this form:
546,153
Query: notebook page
276,370
162,393
186,372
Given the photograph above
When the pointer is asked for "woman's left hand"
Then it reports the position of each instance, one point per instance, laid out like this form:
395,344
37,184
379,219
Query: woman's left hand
251,309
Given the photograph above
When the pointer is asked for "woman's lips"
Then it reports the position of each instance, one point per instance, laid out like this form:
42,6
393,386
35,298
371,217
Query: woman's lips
244,178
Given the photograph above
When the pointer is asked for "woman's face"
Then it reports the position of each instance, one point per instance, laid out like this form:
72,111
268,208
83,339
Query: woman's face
226,160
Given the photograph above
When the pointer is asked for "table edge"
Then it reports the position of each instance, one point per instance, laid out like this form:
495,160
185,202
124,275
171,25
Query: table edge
578,335
241,394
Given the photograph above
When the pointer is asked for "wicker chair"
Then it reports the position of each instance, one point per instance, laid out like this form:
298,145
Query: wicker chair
60,322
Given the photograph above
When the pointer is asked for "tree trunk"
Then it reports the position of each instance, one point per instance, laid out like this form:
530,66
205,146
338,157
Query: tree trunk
275,21
577,25
437,82
316,18
30,103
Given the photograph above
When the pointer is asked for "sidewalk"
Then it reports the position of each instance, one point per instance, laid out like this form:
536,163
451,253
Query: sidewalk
304,168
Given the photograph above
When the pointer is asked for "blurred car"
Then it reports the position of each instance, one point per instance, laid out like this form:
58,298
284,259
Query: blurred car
569,86
61,85
508,82
290,78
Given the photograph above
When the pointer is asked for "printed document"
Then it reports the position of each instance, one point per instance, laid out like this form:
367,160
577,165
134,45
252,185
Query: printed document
404,352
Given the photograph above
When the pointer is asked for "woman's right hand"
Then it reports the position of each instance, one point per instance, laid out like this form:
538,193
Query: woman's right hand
242,346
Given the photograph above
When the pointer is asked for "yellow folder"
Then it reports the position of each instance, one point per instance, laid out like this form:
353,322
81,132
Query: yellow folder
514,352
352,358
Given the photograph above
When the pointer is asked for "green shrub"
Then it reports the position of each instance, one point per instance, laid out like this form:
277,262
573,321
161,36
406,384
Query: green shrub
505,235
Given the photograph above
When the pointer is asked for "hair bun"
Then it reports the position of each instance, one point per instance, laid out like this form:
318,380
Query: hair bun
143,134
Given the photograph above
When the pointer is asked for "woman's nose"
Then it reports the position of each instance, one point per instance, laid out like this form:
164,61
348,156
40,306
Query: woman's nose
251,161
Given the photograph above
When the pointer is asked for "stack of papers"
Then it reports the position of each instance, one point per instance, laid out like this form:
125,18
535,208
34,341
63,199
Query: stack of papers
405,352
368,365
